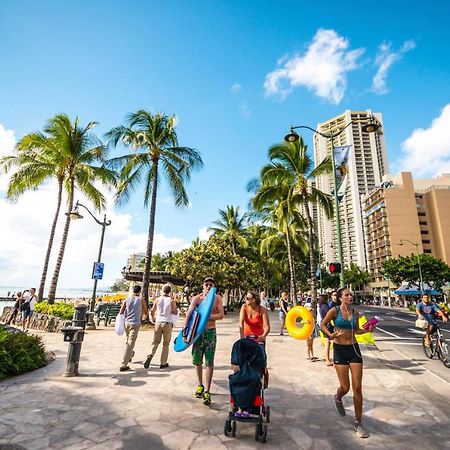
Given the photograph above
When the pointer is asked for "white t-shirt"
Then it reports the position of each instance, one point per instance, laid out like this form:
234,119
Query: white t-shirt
265,303
164,309
31,299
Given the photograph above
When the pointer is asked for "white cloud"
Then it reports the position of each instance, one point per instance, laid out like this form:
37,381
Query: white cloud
204,233
322,69
384,60
236,87
244,110
427,151
24,232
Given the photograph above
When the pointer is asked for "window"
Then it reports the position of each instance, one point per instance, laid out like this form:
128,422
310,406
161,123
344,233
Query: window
427,250
424,232
425,241
421,214
422,222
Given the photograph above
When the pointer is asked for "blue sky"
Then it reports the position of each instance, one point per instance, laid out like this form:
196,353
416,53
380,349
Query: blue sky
236,74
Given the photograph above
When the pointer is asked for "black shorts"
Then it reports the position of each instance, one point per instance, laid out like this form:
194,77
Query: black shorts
346,354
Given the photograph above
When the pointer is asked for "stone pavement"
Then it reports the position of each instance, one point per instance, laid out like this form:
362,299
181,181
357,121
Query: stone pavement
155,409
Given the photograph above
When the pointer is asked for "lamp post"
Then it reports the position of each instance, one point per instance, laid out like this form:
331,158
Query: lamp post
75,214
321,248
416,244
370,126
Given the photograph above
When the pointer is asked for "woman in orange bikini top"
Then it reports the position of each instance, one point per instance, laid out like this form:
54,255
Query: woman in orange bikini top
253,319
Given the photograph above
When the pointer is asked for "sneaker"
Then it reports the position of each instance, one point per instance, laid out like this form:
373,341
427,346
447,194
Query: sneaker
339,406
124,368
148,361
206,398
360,430
199,391
164,366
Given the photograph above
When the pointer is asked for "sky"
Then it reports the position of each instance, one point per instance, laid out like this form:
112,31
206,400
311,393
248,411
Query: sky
236,74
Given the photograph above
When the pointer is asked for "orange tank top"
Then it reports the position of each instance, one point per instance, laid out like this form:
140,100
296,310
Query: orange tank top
253,325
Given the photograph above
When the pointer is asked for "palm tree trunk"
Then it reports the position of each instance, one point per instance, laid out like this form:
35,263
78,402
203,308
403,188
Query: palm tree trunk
50,242
312,254
151,232
54,282
292,284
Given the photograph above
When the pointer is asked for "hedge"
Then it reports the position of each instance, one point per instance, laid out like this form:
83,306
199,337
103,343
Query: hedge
19,353
62,310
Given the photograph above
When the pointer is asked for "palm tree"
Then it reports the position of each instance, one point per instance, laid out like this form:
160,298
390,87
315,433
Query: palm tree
291,166
66,152
231,227
155,142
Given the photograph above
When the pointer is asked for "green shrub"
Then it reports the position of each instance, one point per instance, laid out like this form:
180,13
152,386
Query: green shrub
62,310
19,353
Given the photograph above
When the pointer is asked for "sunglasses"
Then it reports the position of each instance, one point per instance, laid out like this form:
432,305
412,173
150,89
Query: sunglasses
208,284
250,298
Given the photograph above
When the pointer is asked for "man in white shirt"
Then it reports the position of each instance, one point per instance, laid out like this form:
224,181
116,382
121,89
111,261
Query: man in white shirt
28,310
264,301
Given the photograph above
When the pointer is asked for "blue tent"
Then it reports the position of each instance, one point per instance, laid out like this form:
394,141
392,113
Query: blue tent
412,290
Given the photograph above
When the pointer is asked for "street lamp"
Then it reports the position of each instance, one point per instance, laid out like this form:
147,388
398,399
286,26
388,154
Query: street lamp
416,244
75,214
370,126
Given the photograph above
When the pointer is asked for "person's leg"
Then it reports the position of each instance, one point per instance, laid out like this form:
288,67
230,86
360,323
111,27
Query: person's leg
342,371
327,352
167,334
197,361
132,333
157,337
210,350
357,370
282,321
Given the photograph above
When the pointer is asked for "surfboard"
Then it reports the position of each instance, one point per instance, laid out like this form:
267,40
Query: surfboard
197,323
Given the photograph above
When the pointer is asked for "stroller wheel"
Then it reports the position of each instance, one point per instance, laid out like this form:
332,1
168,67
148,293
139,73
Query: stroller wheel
233,428
227,428
261,432
267,413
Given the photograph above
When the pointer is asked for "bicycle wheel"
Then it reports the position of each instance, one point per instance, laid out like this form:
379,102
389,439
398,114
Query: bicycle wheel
429,351
445,353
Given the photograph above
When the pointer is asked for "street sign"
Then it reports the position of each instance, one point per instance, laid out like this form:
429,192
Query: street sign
97,271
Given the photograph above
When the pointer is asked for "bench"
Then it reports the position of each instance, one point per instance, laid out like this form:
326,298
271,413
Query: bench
108,313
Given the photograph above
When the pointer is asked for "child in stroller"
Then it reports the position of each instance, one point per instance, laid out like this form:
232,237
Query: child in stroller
248,361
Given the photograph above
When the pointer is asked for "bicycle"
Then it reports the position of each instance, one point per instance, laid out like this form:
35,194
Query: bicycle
437,347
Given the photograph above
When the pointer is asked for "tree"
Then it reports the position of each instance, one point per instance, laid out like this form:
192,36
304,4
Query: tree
156,153
216,258
355,277
120,285
435,273
231,227
73,156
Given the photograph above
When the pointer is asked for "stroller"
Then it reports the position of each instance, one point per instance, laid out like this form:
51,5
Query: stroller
247,389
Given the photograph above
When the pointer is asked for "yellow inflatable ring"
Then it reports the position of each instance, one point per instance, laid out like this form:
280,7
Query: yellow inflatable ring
307,322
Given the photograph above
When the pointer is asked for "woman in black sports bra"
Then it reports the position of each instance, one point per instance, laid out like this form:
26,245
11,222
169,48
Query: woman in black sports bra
346,354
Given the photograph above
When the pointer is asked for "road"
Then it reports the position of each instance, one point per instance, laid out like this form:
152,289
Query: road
396,332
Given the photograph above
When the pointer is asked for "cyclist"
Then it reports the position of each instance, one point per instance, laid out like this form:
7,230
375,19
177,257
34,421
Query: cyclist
427,311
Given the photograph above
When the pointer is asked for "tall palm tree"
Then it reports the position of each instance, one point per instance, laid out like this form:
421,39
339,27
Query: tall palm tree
291,166
231,227
156,152
68,153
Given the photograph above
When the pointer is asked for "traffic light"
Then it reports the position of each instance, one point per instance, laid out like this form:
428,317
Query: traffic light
334,267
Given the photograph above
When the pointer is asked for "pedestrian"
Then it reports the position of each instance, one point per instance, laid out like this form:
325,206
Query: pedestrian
283,310
334,301
164,306
263,301
205,346
29,300
347,354
323,310
16,308
310,341
134,308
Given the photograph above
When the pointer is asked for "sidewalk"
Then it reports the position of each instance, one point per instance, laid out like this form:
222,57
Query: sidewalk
155,409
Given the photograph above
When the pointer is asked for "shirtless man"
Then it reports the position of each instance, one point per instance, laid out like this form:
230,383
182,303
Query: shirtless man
205,345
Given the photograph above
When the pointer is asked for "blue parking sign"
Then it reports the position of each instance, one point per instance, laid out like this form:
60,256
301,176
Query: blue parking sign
97,271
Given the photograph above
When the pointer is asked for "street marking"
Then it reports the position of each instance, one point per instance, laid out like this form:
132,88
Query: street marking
413,330
388,332
407,343
402,320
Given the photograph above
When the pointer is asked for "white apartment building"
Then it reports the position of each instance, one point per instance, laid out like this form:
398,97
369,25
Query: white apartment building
134,260
366,166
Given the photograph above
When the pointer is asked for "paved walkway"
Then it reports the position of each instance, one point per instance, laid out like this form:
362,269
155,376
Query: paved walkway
152,409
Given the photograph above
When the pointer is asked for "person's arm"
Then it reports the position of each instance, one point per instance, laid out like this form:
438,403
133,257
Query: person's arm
418,312
153,310
192,306
266,325
331,315
123,306
218,312
444,317
144,307
173,303
359,330
241,321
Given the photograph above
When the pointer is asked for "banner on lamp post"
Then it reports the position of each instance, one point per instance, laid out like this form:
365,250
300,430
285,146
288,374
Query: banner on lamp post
341,156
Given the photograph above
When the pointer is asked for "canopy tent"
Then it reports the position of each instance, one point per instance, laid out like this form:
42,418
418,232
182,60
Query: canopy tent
413,290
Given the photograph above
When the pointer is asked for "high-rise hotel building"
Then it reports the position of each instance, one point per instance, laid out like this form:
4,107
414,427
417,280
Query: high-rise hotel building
366,166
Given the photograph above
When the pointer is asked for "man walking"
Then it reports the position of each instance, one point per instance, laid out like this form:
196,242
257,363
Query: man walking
205,345
28,308
134,308
164,307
